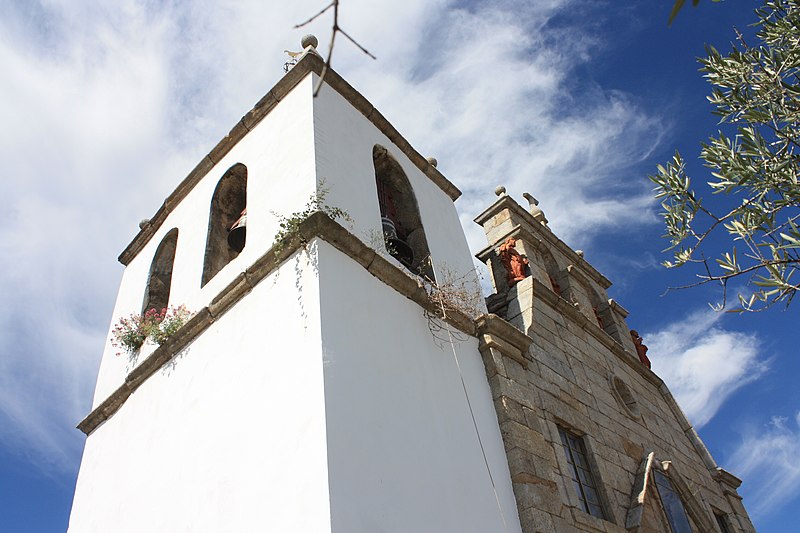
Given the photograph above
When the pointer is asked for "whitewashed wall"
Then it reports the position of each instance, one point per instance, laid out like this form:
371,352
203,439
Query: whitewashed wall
403,453
279,156
344,141
230,436
299,409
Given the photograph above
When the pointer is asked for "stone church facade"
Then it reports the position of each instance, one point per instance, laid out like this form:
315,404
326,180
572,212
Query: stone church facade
580,393
333,381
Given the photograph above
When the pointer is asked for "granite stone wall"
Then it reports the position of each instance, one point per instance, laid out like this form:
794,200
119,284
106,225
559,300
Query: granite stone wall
581,373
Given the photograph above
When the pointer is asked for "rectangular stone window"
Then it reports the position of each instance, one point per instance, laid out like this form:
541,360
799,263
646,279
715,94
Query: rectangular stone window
580,473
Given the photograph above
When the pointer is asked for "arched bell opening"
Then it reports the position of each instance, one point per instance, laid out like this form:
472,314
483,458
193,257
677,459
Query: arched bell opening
603,315
159,280
237,234
400,218
554,276
227,222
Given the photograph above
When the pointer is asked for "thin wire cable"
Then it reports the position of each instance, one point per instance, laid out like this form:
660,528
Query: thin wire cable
471,412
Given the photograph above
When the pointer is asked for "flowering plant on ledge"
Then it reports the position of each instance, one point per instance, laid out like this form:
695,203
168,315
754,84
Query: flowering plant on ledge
130,333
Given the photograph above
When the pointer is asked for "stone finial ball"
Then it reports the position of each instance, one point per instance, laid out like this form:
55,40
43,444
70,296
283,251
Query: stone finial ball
143,223
433,161
309,40
500,190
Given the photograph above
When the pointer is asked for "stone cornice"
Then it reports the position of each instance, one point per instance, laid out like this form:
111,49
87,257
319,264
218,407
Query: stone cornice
484,254
308,64
615,305
577,273
318,225
542,232
495,332
502,202
723,476
688,429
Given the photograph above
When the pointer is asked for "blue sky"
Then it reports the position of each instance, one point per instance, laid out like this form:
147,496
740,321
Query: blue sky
106,106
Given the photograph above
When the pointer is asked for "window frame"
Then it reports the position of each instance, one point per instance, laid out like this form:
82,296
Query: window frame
159,278
589,479
398,205
228,201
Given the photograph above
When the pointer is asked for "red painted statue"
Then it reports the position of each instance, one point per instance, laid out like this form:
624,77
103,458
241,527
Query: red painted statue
641,349
514,261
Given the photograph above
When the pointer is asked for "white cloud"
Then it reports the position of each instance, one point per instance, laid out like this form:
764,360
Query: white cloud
106,106
82,147
490,95
767,459
703,363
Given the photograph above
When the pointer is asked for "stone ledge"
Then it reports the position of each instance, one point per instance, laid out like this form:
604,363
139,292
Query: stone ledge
616,307
688,429
723,476
310,63
318,225
232,293
593,523
495,332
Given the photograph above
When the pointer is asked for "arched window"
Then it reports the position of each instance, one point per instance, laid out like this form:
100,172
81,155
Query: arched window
159,280
672,504
625,397
597,310
553,274
684,511
603,315
402,224
228,206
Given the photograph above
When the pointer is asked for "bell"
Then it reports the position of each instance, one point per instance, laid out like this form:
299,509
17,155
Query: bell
400,250
389,230
397,248
238,232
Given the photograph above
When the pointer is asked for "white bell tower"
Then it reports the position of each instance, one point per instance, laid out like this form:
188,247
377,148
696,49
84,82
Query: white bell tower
307,393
